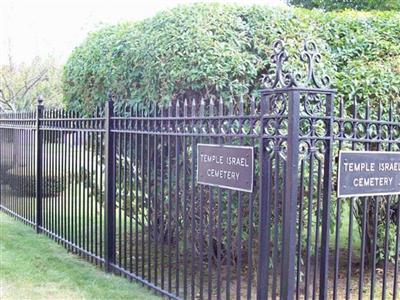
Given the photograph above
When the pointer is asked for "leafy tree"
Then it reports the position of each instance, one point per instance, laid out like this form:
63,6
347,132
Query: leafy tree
21,84
330,5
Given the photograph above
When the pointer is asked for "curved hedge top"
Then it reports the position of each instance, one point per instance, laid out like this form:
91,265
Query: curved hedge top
222,50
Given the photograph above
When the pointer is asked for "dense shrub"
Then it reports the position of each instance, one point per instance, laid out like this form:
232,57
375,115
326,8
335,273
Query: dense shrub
366,51
222,50
23,184
190,51
343,4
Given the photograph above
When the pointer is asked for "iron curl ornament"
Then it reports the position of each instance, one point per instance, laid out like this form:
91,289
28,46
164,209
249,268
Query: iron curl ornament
287,79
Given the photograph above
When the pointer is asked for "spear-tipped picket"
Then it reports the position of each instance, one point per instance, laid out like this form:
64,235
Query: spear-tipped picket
177,115
193,107
241,113
211,122
157,115
231,106
367,109
202,107
212,107
185,107
136,110
341,107
221,106
355,107
58,116
162,115
253,105
170,116
230,113
380,110
252,113
368,129
130,117
185,114
221,114
241,105
193,114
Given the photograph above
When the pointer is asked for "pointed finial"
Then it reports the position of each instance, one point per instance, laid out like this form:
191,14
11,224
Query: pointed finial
253,103
212,106
185,108
193,108
221,106
202,105
110,96
241,104
212,102
231,106
40,100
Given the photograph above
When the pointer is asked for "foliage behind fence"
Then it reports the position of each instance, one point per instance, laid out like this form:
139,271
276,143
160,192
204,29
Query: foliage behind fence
119,187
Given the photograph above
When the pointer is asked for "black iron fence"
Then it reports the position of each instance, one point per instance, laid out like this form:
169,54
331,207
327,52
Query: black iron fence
120,189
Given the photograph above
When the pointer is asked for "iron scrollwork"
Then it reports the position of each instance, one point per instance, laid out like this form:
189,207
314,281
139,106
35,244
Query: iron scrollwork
286,79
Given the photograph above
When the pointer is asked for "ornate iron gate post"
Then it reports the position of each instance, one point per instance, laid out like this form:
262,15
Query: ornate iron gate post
265,213
282,99
290,99
109,208
39,163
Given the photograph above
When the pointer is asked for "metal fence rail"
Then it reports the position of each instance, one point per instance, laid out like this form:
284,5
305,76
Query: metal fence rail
120,188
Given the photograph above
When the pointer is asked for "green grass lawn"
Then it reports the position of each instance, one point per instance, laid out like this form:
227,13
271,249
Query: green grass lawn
33,266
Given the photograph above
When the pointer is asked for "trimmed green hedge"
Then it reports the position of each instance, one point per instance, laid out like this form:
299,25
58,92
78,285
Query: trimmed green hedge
214,50
344,4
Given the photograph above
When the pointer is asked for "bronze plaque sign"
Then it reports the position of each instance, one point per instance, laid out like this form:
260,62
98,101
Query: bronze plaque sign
368,173
226,166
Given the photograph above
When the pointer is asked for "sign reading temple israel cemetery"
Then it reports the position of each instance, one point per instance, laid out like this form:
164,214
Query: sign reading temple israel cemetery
225,166
368,173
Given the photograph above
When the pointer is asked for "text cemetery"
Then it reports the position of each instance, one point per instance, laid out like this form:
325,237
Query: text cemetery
225,166
368,173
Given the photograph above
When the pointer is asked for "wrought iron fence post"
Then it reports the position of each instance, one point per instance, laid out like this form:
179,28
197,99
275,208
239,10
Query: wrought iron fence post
262,275
109,222
326,199
39,163
290,199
